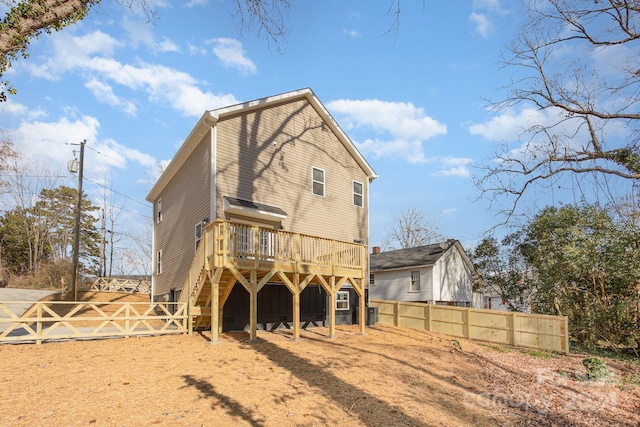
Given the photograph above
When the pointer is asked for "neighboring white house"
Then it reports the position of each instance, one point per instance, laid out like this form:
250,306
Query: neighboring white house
436,274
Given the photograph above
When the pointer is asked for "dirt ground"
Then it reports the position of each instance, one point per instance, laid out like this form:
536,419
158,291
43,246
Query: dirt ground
389,377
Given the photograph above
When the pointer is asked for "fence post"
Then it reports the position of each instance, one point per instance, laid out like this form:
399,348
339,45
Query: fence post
510,331
396,314
466,319
39,324
566,335
426,317
127,324
514,329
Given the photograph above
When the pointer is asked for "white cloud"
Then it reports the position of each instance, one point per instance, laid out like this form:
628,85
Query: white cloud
232,55
54,142
354,34
162,84
18,109
454,166
104,94
402,127
411,151
483,25
140,34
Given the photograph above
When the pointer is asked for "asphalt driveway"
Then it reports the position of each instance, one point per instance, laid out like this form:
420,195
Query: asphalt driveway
23,295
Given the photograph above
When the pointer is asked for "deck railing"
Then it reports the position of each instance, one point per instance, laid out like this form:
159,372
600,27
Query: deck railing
246,242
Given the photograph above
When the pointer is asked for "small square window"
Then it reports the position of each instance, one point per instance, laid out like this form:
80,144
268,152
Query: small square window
318,182
342,300
358,194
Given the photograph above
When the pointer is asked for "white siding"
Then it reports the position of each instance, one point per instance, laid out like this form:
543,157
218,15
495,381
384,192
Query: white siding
395,285
454,276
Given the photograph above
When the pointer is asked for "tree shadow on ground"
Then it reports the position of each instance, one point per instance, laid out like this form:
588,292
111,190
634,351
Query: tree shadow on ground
233,407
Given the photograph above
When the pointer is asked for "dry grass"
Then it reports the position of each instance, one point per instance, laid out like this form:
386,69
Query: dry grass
390,377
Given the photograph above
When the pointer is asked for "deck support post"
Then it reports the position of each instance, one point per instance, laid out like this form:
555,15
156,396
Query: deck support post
332,307
215,302
296,307
253,310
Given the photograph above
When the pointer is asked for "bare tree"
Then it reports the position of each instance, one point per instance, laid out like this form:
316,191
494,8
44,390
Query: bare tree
410,229
579,68
26,179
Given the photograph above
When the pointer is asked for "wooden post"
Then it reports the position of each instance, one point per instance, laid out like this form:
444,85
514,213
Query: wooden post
396,314
189,290
363,310
215,302
429,315
253,310
511,324
466,319
566,335
39,324
332,307
296,307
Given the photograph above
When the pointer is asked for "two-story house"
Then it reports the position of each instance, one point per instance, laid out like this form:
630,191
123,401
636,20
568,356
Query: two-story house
263,197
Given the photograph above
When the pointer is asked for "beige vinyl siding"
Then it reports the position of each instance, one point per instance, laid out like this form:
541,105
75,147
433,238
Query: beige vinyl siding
185,201
267,156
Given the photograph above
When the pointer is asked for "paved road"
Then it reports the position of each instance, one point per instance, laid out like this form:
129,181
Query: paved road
8,295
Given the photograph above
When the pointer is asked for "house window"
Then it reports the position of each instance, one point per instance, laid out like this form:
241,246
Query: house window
358,194
372,280
415,281
342,300
318,182
198,234
159,210
159,262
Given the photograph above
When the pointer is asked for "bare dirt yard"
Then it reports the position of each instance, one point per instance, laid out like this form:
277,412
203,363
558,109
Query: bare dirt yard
389,377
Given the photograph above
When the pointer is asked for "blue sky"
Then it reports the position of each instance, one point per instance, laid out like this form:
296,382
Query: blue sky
414,102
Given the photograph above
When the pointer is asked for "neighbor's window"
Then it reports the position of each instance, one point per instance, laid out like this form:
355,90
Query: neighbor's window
318,182
415,281
357,194
342,300
198,234
372,279
159,210
159,262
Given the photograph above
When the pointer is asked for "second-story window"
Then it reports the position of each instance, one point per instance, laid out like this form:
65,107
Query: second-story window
318,182
358,198
159,210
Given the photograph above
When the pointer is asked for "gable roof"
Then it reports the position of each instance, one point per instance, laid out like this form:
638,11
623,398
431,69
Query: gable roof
421,256
211,117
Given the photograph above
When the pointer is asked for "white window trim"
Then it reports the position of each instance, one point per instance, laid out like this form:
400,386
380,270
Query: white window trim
338,300
353,190
159,262
159,211
324,182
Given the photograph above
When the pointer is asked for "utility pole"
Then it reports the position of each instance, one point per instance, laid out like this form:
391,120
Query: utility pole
103,253
76,243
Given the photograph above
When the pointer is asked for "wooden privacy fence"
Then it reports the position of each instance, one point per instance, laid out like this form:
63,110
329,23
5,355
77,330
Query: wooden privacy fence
57,320
519,329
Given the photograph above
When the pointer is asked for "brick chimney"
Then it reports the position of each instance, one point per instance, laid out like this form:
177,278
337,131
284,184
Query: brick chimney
376,249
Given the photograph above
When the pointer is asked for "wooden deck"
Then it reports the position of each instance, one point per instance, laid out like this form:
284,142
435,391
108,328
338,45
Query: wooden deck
253,256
